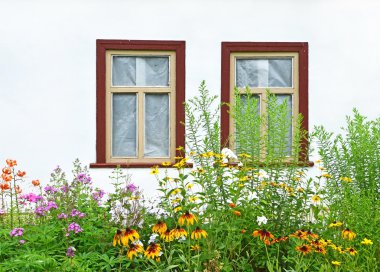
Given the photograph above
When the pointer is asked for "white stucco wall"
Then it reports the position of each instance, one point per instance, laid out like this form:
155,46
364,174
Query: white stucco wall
47,63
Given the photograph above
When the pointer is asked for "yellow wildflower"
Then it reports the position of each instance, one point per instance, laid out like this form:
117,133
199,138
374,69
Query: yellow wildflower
366,242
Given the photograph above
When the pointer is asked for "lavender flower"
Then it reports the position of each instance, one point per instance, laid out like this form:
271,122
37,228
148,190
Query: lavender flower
2,212
70,252
131,187
22,242
17,232
62,216
64,189
74,212
50,189
82,177
74,227
32,198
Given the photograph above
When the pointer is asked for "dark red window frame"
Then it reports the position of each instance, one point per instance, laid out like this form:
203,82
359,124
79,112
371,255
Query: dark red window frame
301,48
141,45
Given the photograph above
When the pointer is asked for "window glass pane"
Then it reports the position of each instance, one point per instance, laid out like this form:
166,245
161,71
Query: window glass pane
280,136
247,125
140,71
259,72
156,125
124,121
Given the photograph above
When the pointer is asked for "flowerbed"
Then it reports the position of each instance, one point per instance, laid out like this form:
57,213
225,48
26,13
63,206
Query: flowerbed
228,213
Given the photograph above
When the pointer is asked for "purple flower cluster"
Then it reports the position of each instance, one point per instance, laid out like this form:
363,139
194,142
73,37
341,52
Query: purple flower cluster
65,189
45,207
17,232
75,212
98,195
74,227
62,216
32,198
70,252
82,177
131,187
50,189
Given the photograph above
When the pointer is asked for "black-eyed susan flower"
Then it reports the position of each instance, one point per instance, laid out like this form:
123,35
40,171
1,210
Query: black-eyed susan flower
178,232
348,234
129,235
152,251
336,263
133,250
195,248
316,199
320,249
160,227
177,209
154,170
280,239
351,251
312,235
300,234
335,224
188,217
305,249
117,238
167,236
198,233
326,175
166,164
366,242
264,235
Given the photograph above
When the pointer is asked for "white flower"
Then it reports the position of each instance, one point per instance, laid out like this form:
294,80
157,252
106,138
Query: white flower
152,238
228,154
261,220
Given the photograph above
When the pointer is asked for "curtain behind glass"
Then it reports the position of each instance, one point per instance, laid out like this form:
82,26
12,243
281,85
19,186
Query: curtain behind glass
156,125
264,72
140,71
124,122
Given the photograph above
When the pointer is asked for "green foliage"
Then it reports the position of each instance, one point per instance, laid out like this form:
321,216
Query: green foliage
256,210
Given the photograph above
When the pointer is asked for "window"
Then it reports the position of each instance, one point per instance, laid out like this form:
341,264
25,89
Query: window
280,67
140,95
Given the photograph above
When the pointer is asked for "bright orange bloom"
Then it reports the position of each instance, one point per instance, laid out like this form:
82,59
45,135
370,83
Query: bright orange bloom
243,231
348,234
237,213
133,250
305,249
18,190
160,227
36,182
152,251
117,237
21,173
4,186
178,232
129,235
232,205
312,235
280,239
167,236
11,163
6,177
264,235
7,171
188,217
198,233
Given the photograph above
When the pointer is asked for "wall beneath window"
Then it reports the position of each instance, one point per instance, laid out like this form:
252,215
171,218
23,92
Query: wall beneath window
47,64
